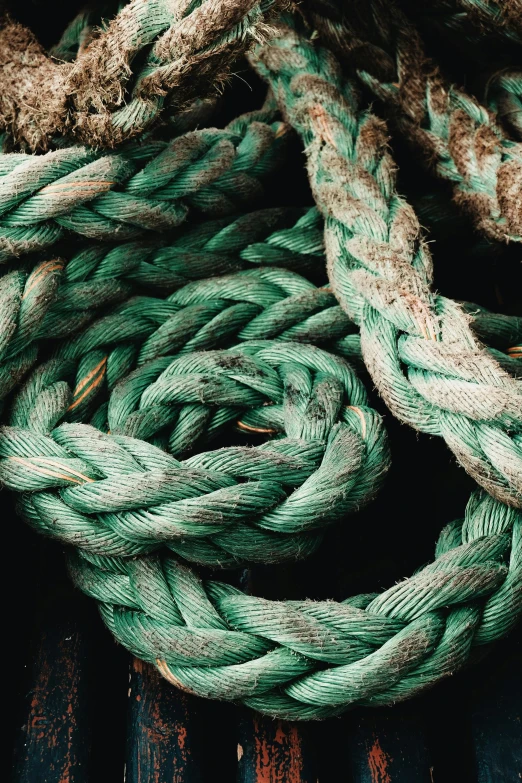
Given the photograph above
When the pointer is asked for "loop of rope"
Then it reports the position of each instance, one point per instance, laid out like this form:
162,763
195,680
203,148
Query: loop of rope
158,378
417,346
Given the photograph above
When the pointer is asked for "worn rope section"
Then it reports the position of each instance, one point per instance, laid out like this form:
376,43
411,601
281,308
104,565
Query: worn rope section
460,140
314,659
143,188
189,49
417,346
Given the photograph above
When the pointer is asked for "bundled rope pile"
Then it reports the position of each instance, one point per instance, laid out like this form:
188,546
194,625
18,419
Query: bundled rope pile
171,311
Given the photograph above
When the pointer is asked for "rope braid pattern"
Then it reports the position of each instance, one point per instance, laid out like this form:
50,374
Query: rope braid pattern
503,16
459,139
143,188
417,346
189,47
57,299
294,659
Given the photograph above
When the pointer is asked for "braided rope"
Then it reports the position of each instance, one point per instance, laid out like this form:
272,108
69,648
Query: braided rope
142,188
504,94
189,48
57,299
315,659
114,495
417,346
459,139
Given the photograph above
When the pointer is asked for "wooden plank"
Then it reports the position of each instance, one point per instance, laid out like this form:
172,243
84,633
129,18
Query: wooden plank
388,746
273,751
160,730
53,744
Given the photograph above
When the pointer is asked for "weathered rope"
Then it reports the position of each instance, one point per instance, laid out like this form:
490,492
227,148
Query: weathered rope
142,188
56,299
314,659
417,346
189,48
504,95
114,495
459,139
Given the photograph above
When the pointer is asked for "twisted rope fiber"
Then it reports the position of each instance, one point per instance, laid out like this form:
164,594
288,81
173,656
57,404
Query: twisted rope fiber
504,93
417,346
459,139
142,188
214,313
114,495
189,46
56,299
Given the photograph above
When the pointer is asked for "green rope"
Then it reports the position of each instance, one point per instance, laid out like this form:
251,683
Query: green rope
417,346
315,659
141,188
221,337
113,495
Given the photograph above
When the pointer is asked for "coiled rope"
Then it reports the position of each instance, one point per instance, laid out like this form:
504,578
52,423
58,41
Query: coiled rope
260,349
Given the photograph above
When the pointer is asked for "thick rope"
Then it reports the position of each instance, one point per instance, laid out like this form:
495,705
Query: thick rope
189,48
417,346
57,299
114,495
459,139
504,95
307,659
140,189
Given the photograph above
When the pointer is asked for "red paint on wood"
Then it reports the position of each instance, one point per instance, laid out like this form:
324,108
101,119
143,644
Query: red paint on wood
278,754
378,762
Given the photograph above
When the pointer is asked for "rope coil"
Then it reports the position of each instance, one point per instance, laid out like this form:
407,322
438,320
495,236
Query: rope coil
163,343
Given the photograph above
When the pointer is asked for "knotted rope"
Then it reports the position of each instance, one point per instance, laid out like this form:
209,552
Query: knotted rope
188,46
459,139
417,346
139,189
